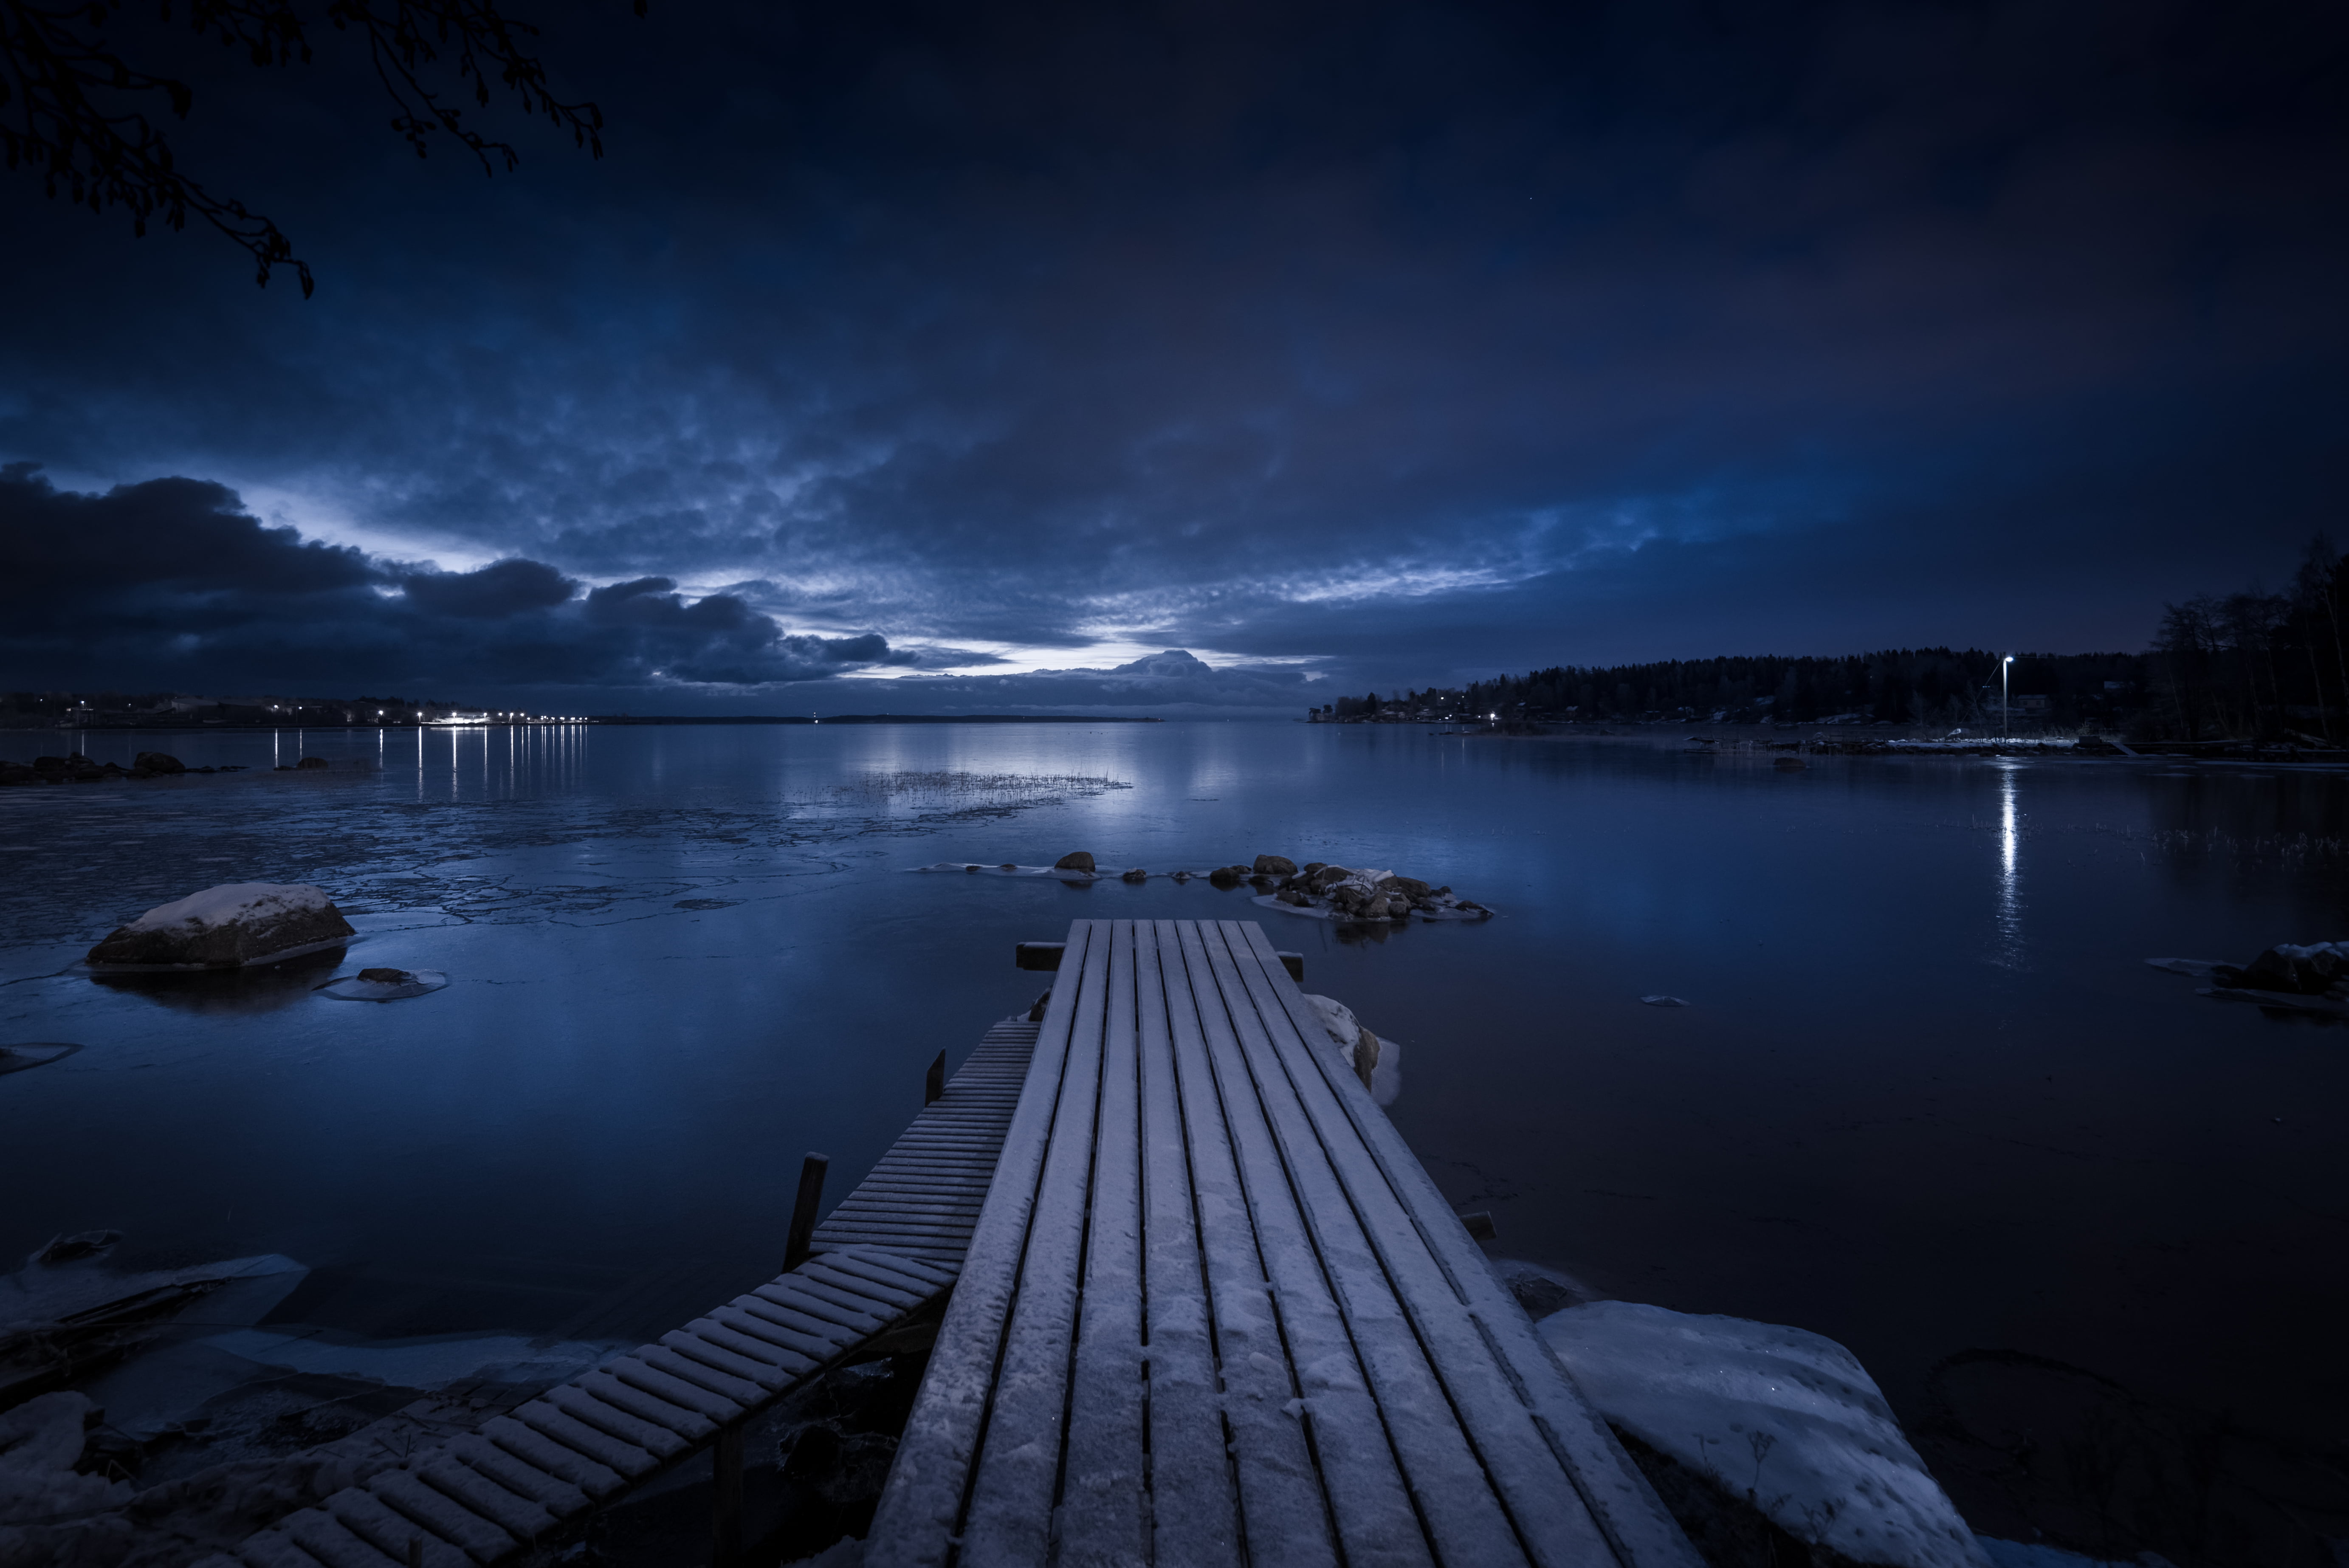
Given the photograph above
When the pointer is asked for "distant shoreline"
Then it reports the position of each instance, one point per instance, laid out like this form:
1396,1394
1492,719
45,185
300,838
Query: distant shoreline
214,727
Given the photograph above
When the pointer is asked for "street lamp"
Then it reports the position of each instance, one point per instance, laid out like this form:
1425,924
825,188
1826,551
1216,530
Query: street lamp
2003,663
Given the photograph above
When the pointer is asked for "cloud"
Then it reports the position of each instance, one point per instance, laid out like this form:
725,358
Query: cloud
172,583
1174,683
1421,342
500,589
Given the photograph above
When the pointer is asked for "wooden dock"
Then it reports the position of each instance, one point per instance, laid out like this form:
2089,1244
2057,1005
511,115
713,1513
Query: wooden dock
892,1247
1208,1309
1214,1312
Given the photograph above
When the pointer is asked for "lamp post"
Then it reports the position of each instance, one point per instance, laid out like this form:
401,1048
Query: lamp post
2002,664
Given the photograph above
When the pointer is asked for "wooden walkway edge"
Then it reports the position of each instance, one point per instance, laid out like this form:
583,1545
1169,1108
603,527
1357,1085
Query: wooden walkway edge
889,1249
1214,1311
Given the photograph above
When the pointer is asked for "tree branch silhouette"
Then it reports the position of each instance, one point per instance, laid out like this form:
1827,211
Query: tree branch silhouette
69,102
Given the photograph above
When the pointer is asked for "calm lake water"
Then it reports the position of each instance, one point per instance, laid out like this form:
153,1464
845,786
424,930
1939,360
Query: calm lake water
1927,1098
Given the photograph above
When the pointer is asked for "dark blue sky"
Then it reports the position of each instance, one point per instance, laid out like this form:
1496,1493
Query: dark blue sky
1347,347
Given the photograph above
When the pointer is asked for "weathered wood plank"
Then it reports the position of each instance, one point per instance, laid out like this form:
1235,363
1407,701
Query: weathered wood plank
526,1478
469,1490
1104,1476
574,1400
392,1533
403,1493
1194,1511
333,1543
1009,1517
591,1442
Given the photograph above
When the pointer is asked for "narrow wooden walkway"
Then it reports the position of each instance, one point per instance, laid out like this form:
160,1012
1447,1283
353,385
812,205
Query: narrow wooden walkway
1214,1312
922,1200
890,1247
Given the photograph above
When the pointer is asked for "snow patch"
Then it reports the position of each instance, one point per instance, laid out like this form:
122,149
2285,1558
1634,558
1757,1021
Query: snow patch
40,1441
233,904
1787,1418
427,1363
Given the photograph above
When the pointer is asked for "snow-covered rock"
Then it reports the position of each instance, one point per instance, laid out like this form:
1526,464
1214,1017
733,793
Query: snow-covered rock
224,927
1360,1049
1783,1418
40,1441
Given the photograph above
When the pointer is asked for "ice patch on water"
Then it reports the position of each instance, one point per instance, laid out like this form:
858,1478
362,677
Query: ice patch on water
424,1363
420,983
973,868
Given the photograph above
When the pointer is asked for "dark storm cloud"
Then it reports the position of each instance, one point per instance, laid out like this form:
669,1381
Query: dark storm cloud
1416,341
171,582
500,589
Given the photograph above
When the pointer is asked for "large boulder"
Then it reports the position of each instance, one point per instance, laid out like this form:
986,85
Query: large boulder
1275,866
1327,877
229,926
1410,887
1788,1418
311,762
1074,860
158,762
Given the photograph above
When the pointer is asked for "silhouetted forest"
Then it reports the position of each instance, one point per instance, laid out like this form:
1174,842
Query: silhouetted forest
2243,666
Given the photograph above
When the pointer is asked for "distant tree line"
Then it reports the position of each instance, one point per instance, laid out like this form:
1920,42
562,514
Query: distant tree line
1894,686
2247,665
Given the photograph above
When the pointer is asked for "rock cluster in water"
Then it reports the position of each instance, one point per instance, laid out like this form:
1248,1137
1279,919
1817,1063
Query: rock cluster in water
74,767
1316,888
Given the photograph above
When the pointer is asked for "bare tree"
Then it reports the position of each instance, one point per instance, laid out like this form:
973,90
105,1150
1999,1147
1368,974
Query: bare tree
69,100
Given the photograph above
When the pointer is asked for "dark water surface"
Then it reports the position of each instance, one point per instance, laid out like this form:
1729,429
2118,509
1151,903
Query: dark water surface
1927,1098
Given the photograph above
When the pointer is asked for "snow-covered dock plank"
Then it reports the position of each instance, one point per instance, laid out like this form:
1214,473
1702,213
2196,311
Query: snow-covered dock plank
1214,1311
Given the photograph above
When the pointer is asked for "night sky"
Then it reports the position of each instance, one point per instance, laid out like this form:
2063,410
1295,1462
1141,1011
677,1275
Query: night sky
967,357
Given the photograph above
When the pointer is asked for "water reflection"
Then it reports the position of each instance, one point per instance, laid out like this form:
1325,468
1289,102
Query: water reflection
2010,901
260,988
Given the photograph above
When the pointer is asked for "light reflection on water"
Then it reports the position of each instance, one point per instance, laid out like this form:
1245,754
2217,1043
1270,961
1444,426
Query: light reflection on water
1894,1114
2011,954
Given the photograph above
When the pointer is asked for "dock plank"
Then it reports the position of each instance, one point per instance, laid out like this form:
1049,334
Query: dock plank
1103,1485
1195,1512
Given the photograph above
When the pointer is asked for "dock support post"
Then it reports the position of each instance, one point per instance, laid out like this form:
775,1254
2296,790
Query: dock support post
933,1085
726,1497
796,1250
